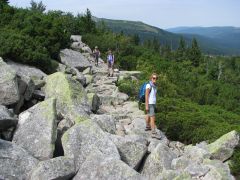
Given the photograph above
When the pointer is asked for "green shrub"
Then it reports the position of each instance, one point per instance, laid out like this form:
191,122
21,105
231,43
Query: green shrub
189,122
128,87
235,163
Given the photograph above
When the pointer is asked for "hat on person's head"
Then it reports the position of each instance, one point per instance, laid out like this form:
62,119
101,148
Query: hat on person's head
96,47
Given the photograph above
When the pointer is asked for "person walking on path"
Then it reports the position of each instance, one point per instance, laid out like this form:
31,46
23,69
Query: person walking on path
150,105
110,62
96,54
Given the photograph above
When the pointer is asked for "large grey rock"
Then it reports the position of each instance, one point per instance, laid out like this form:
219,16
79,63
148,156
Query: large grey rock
15,162
74,59
58,168
72,101
6,119
130,150
37,129
160,159
101,167
82,138
106,122
223,148
25,70
218,170
30,77
9,93
76,38
77,46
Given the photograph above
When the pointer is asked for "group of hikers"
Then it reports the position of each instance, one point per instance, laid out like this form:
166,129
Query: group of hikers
110,59
147,93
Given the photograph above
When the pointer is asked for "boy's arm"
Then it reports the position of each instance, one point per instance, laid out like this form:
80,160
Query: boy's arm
146,98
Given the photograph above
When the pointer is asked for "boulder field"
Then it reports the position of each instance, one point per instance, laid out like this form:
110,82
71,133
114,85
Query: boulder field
76,124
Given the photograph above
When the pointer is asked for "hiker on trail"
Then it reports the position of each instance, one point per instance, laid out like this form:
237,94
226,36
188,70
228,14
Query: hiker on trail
150,105
110,62
96,54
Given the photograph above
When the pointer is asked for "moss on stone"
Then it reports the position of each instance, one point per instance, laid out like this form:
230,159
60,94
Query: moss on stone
215,146
66,90
183,176
7,72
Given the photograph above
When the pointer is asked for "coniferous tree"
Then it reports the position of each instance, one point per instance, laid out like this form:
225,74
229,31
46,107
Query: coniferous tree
40,7
88,25
156,44
136,39
3,3
195,53
181,51
166,51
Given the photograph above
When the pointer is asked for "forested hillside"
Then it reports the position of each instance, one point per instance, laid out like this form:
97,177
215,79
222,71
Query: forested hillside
218,41
227,38
198,95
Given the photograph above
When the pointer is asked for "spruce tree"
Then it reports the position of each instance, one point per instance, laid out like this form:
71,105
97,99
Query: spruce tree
3,3
181,51
136,39
40,7
88,25
195,53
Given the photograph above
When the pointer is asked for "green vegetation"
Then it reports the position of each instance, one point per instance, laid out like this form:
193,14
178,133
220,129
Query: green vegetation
213,40
198,95
33,37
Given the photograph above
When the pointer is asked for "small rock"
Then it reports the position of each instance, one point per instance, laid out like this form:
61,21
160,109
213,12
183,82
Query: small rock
57,168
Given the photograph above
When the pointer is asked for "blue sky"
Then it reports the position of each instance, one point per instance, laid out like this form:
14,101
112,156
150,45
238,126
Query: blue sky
160,13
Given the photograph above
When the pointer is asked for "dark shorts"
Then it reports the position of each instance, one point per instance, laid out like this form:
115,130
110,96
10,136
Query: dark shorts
110,64
152,110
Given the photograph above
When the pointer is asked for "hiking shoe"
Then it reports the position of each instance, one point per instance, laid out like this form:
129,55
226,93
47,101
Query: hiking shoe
148,128
156,136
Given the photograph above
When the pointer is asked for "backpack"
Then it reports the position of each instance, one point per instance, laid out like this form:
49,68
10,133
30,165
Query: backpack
110,58
142,91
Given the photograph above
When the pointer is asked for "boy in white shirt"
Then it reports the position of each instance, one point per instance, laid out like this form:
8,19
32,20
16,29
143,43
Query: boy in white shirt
150,105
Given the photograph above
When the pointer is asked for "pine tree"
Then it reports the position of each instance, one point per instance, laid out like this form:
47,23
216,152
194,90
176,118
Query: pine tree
40,7
181,51
3,3
136,39
156,44
195,53
88,24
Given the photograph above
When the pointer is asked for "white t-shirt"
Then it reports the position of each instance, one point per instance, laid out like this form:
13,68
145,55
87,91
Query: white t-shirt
152,94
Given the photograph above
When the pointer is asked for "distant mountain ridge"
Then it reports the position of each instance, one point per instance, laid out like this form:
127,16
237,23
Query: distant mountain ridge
228,35
144,31
212,40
